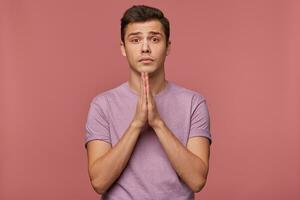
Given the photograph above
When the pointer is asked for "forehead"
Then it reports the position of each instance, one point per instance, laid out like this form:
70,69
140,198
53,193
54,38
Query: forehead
147,27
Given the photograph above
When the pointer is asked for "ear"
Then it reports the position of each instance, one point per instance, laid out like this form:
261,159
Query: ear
123,51
169,47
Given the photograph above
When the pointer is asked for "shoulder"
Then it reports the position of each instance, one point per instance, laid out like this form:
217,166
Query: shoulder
103,98
187,93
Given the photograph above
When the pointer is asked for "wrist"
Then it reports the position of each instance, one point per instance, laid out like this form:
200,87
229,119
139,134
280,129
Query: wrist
135,125
159,124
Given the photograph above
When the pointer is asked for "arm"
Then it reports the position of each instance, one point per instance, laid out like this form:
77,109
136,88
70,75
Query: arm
107,163
191,163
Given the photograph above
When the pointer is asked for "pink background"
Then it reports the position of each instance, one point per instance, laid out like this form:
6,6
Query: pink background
243,56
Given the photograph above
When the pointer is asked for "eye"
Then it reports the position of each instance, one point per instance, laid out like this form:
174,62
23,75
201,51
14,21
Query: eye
135,40
155,39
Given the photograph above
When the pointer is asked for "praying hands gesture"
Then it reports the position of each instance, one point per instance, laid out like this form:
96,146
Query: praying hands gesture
146,110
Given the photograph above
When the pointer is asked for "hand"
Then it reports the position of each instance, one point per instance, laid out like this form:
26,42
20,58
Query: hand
154,119
141,113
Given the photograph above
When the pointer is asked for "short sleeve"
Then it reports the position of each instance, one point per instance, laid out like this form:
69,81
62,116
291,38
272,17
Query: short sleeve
200,119
97,124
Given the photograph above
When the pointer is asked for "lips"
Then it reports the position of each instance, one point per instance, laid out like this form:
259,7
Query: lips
146,60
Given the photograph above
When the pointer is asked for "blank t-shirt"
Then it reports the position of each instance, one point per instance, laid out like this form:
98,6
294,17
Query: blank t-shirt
149,173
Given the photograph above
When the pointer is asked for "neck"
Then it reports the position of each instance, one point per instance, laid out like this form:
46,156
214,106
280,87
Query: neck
157,82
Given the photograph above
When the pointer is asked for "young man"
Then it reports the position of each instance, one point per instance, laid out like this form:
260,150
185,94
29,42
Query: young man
148,138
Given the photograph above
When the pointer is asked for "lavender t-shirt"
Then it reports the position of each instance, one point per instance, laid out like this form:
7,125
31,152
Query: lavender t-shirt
149,174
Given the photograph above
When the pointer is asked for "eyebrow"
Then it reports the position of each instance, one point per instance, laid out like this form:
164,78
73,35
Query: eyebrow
138,33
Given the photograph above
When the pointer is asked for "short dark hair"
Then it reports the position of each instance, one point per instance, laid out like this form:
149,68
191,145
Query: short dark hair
142,13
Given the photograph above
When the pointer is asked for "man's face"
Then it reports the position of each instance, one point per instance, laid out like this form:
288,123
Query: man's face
145,46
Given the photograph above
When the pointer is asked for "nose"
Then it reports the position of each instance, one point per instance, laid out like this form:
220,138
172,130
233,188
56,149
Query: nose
146,47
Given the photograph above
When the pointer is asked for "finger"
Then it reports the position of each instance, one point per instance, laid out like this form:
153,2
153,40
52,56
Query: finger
148,90
145,89
142,89
151,96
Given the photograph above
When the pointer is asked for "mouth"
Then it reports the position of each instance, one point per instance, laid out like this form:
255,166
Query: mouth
146,60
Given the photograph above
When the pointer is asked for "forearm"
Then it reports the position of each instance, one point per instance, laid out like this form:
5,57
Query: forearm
108,168
189,167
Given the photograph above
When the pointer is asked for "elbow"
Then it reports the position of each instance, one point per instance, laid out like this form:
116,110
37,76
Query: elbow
199,185
98,186
200,181
98,182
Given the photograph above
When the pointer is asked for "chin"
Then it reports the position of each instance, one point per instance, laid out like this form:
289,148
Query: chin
145,68
148,69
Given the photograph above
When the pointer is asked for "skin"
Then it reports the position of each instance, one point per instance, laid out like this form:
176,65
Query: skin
106,163
146,44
